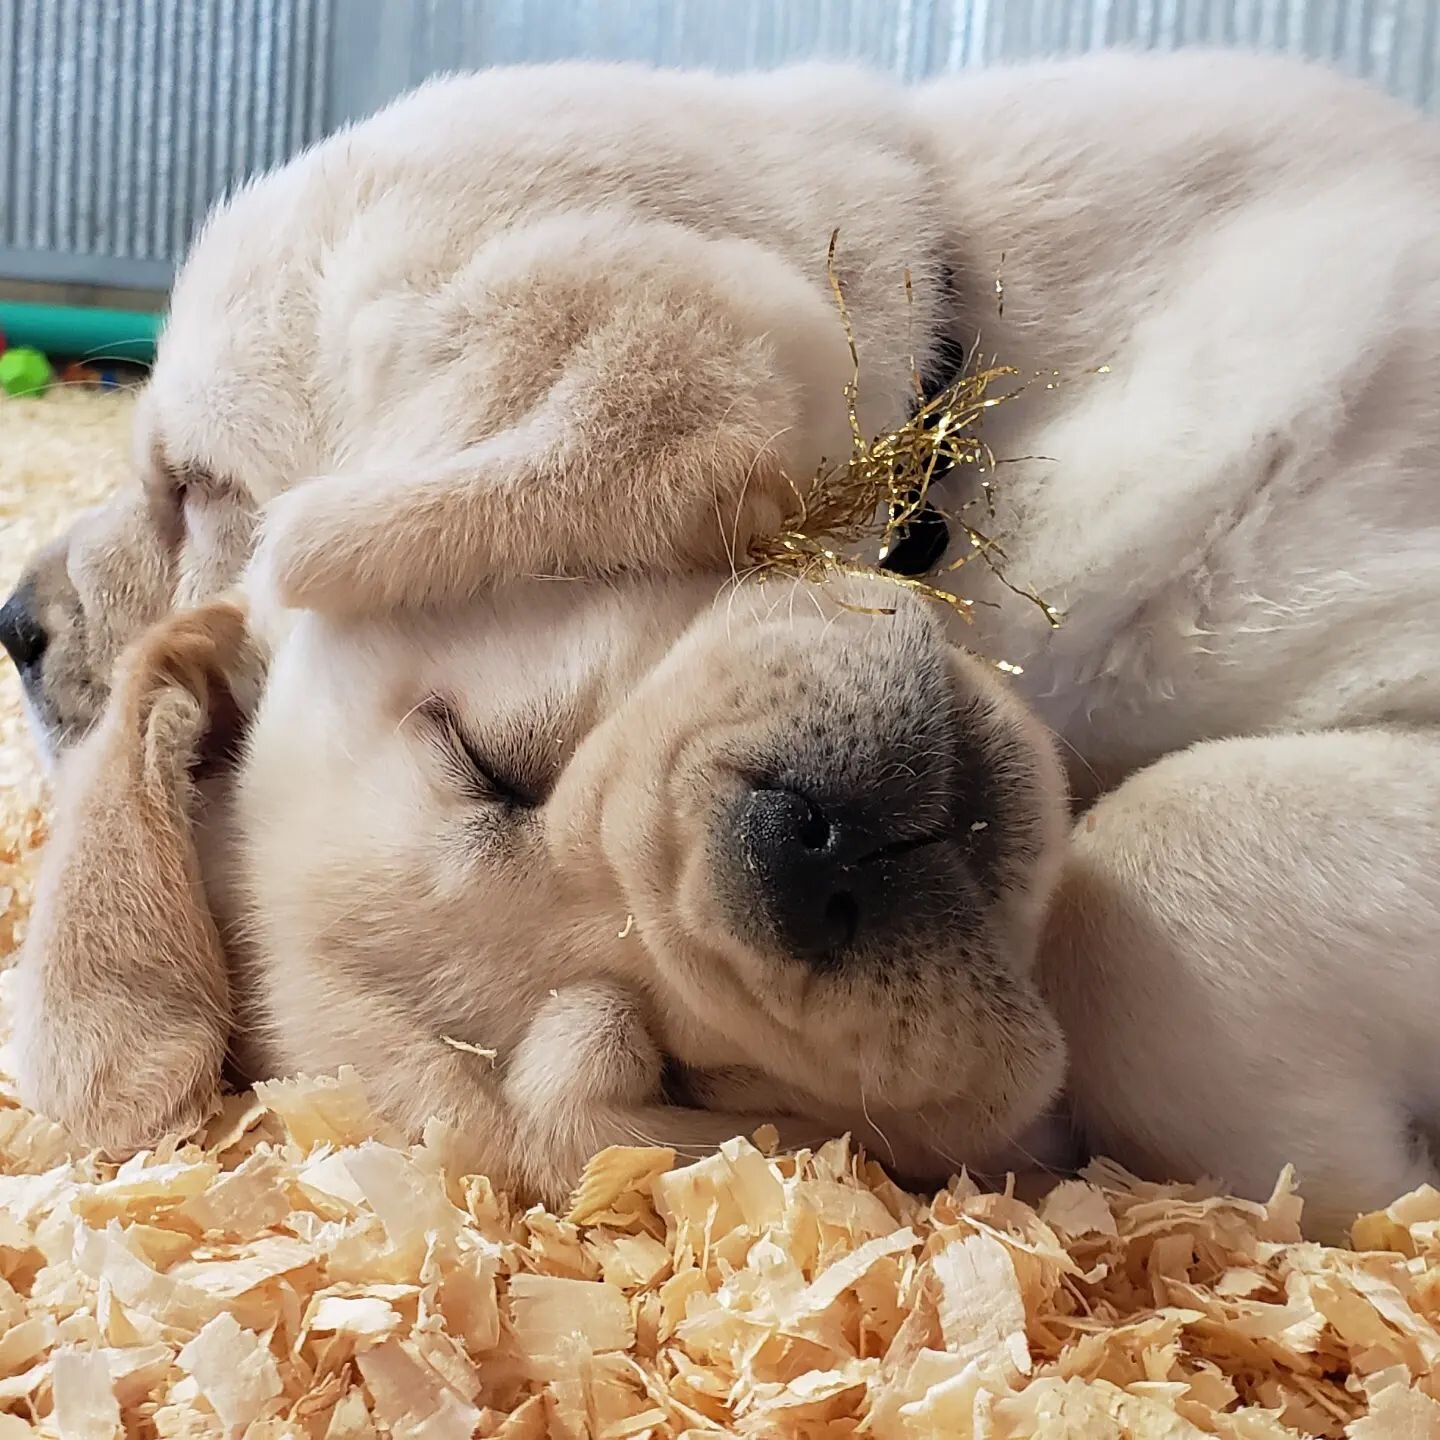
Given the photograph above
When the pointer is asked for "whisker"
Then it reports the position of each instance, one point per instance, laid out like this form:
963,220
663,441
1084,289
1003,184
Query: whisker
865,1111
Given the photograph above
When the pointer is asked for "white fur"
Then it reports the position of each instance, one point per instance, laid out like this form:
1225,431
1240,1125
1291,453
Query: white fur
1239,519
1244,957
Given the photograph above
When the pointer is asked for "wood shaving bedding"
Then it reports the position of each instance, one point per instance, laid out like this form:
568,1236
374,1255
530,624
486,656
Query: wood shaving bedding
298,1273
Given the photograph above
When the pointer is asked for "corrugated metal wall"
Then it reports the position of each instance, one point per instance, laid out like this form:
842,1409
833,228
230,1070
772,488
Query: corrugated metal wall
121,120
1395,41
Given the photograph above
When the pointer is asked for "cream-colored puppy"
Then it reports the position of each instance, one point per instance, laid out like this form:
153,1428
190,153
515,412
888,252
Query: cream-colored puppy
578,318
675,863
620,349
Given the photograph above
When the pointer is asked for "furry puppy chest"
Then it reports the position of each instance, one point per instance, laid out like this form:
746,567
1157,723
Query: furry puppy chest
682,865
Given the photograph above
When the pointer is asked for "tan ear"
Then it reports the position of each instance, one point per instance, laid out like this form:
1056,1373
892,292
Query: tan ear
645,421
122,1003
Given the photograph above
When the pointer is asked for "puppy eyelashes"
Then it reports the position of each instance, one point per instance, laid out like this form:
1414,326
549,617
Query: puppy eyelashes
476,773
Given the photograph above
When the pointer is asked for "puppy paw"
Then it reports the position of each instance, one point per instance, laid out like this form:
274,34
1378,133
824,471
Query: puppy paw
191,652
181,691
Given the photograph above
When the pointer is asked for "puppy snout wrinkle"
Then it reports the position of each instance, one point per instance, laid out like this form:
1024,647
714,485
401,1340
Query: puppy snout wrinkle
811,871
21,632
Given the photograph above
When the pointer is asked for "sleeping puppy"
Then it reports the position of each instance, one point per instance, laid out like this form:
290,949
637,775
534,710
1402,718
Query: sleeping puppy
1237,517
674,864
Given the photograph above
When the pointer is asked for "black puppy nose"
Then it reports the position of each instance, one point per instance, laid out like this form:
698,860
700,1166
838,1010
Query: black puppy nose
807,872
21,633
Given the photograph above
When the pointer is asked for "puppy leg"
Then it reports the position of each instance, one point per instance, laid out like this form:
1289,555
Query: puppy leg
608,395
123,1010
588,1075
585,1075
1243,956
311,1017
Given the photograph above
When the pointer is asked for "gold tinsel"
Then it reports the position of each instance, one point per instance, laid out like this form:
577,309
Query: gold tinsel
884,485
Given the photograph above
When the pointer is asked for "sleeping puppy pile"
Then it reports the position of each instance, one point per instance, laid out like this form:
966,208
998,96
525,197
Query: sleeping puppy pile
506,783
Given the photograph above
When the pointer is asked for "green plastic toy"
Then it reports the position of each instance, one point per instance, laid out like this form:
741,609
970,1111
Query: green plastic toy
24,371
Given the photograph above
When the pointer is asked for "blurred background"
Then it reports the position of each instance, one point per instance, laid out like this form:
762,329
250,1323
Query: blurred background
124,119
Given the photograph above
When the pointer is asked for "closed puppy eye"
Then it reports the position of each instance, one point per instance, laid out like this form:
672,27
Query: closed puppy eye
481,776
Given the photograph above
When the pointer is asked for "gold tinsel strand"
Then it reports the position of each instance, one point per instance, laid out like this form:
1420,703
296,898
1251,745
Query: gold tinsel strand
885,483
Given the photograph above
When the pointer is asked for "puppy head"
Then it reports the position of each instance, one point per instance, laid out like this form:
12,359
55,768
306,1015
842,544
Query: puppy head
816,841
177,537
221,426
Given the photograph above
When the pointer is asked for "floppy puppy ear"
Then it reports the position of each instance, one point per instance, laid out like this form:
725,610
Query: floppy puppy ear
618,396
122,1003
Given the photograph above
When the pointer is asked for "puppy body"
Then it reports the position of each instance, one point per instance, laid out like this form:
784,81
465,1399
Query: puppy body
1239,517
621,348
1243,954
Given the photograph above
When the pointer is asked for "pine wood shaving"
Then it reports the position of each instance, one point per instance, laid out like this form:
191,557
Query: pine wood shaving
299,1272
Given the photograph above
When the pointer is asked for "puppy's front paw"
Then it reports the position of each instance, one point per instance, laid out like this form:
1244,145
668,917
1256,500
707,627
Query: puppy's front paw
192,648
180,693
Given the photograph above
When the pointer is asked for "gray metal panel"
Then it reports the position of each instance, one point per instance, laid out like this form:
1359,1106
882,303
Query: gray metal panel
121,121
383,47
